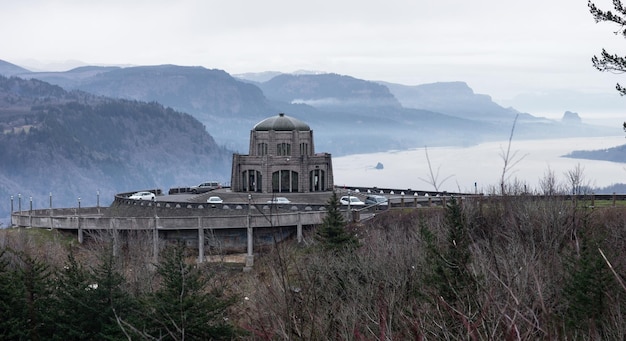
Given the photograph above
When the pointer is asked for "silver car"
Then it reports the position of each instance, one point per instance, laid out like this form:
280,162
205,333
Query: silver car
352,201
205,187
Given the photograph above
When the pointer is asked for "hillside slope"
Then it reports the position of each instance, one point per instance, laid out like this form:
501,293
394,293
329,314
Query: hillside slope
73,144
220,102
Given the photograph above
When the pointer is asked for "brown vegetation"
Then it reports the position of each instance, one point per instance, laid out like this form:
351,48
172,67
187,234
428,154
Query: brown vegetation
516,269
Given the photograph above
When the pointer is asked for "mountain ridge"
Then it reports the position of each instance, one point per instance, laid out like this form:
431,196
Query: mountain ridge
74,144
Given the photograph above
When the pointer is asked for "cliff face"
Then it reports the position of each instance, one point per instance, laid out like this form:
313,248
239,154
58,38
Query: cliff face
571,118
73,144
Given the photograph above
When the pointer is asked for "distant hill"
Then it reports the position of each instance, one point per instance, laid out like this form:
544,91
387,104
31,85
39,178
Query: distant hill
222,103
348,115
455,99
615,154
74,144
257,77
8,69
328,91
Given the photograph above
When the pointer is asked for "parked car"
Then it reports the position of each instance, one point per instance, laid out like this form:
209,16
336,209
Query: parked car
376,200
352,201
279,200
205,187
214,200
142,196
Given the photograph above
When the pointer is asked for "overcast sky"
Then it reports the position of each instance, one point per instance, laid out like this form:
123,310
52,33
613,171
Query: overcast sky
503,48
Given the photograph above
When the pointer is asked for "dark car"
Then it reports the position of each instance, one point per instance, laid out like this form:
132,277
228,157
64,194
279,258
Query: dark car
376,200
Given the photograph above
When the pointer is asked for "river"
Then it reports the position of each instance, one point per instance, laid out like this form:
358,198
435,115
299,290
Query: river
480,167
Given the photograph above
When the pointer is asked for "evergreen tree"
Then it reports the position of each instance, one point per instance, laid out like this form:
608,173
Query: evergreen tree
607,61
25,307
587,281
450,272
90,301
73,309
186,307
332,233
12,324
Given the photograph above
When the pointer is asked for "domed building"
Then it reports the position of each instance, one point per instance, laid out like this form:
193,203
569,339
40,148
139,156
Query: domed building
281,159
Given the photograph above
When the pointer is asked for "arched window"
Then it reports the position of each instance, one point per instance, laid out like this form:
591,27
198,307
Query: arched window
251,181
285,181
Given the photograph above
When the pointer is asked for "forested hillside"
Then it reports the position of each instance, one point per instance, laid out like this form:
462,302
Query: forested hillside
73,144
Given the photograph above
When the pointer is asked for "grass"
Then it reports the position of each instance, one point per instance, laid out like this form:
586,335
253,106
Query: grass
41,237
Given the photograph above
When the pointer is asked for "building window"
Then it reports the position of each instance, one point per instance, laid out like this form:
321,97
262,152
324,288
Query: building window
261,149
283,149
304,149
252,181
285,181
317,181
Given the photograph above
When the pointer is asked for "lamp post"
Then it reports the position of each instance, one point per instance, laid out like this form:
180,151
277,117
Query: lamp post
11,204
19,202
80,232
98,198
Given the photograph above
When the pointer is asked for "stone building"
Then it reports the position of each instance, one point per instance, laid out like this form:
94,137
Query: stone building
281,159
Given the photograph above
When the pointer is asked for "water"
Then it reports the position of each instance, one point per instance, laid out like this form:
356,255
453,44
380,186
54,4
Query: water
480,167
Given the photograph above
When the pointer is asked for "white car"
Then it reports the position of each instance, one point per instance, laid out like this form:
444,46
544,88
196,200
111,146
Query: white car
352,201
214,200
142,196
279,200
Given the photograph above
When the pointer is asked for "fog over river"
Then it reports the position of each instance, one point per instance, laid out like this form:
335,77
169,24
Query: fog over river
481,166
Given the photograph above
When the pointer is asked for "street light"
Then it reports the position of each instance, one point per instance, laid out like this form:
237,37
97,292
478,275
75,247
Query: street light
80,232
19,202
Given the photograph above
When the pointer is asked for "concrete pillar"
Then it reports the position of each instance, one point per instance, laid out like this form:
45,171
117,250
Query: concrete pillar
113,230
299,229
249,254
200,241
80,236
80,230
155,240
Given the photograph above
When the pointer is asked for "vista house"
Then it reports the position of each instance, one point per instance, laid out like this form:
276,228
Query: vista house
281,159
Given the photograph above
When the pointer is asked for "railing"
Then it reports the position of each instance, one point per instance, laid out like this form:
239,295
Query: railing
89,219
224,216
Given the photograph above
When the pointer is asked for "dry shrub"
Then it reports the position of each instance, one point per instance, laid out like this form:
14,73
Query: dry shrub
519,250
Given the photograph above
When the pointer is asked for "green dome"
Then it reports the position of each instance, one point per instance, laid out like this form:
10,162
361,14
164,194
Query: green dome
281,123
